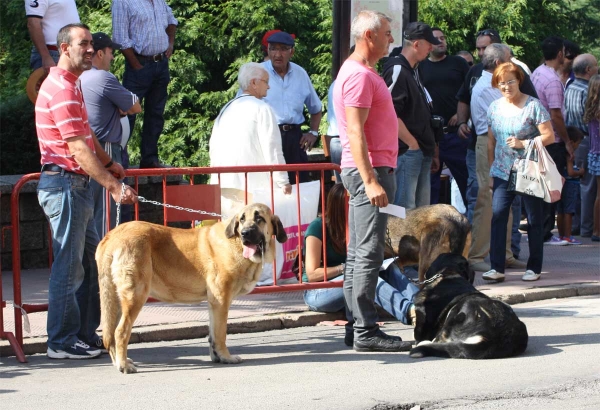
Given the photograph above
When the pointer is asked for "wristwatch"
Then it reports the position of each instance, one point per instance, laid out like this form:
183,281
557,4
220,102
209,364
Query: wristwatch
315,133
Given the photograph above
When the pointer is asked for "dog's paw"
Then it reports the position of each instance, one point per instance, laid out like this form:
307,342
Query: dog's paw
128,367
416,353
231,360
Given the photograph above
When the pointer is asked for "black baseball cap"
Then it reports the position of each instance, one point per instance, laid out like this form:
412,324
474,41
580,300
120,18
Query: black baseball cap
420,31
102,40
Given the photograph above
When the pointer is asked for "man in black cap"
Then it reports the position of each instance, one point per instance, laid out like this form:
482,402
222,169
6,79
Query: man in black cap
107,101
290,89
417,145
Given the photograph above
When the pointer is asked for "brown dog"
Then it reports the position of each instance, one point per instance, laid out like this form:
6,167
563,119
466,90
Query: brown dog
427,232
215,263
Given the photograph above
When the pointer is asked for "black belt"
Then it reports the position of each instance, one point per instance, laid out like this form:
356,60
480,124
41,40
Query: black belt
56,168
155,58
288,127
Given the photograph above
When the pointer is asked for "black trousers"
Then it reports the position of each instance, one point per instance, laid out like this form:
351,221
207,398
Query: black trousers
293,154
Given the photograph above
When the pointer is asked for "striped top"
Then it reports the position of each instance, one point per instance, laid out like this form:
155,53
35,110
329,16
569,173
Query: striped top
60,114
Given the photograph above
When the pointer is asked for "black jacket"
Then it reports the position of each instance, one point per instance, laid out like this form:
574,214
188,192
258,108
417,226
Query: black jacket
410,104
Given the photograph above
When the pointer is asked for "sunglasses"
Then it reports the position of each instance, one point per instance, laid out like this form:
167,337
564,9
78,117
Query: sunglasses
490,33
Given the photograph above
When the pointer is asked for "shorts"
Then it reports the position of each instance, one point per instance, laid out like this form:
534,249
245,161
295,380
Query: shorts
568,197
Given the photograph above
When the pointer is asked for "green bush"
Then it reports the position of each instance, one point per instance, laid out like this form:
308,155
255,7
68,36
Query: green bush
19,150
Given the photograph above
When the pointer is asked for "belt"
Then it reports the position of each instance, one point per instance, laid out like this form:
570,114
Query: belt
288,127
51,47
56,168
155,58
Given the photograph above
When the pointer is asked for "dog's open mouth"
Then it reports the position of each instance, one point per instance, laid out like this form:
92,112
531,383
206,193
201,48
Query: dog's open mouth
250,249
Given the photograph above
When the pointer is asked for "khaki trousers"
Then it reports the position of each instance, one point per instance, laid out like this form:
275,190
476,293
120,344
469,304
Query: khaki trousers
482,215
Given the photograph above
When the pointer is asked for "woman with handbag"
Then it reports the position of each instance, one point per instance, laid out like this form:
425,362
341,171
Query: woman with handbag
394,291
514,120
592,118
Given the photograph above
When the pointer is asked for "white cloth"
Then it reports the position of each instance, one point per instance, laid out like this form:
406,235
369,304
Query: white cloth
482,96
246,133
55,14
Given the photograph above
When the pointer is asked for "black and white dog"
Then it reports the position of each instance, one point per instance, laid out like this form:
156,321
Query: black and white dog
456,320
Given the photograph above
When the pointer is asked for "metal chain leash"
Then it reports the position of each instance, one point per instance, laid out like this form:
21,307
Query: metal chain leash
179,208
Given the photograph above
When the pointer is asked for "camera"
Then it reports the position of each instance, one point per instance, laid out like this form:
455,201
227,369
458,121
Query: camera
437,124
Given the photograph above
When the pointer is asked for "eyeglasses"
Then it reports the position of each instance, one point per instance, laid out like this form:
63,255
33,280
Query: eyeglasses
279,49
504,84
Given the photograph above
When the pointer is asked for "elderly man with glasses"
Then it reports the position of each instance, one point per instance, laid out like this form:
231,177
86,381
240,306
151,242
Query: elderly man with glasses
290,89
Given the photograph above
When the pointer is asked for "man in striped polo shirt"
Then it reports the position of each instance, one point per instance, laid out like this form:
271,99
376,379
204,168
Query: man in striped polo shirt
70,155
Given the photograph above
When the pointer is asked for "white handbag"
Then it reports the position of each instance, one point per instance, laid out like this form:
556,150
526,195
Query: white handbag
552,180
525,176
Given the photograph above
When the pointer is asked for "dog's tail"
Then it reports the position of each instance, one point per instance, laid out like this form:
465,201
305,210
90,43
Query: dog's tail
109,300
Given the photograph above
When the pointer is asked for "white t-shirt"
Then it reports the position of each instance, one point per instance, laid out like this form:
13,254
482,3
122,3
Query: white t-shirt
55,14
246,133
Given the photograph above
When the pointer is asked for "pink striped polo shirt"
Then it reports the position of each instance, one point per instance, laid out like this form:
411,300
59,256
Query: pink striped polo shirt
60,114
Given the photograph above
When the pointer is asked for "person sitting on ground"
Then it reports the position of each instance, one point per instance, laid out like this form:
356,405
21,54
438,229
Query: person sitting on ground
394,292
565,209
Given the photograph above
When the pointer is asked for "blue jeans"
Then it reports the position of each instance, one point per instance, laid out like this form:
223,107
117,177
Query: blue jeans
35,60
413,185
588,191
394,293
149,84
367,226
501,204
453,150
335,150
472,185
73,294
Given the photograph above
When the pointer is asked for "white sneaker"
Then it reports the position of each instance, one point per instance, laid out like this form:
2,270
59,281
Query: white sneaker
79,350
493,275
530,276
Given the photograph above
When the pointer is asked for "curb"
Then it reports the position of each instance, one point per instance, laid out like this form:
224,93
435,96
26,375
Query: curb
253,324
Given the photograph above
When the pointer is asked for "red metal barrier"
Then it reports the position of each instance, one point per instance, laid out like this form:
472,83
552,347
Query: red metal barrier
170,216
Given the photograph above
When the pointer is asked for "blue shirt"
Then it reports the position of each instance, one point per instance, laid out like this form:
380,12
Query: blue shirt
332,130
288,96
522,125
141,25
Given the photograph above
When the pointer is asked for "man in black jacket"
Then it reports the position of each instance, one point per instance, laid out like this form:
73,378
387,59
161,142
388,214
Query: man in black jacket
417,146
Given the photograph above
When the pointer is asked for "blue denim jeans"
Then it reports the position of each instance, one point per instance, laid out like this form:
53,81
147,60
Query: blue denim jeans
472,185
150,85
452,150
367,226
73,294
394,293
35,60
335,150
515,238
413,184
501,205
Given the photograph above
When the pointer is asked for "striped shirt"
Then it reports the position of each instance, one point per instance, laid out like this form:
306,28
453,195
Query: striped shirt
575,97
60,114
141,25
550,90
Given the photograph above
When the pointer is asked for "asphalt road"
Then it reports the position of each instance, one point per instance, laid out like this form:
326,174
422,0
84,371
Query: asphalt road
311,368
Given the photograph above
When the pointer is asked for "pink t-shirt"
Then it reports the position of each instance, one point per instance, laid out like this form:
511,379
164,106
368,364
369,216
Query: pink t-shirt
360,87
551,91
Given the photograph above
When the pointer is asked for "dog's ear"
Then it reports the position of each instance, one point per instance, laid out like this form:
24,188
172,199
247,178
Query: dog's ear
231,229
278,229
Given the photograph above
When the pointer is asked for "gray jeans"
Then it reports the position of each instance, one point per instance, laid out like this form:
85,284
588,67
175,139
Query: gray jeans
367,227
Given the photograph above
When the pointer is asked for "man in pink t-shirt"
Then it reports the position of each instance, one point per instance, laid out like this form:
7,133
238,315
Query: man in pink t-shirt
368,133
70,154
551,93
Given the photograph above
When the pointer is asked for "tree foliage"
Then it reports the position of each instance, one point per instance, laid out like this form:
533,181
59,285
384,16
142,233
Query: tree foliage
215,37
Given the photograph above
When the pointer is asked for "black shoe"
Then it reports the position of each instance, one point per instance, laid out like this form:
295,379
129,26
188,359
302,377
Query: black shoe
381,342
349,337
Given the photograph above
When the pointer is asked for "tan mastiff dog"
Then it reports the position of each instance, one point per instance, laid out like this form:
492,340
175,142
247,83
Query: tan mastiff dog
138,260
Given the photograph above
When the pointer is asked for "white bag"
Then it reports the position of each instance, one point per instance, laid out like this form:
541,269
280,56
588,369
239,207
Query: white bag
552,180
525,177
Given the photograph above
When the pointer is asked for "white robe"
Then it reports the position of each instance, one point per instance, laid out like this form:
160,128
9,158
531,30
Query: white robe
246,133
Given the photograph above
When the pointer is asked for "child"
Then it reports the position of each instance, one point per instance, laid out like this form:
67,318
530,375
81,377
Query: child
568,199
592,118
